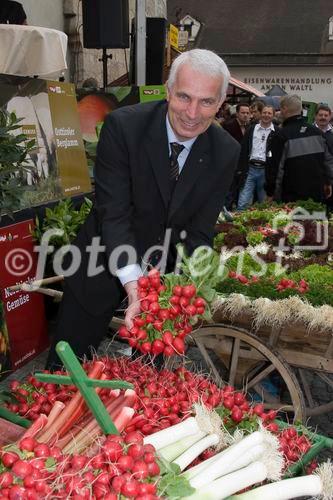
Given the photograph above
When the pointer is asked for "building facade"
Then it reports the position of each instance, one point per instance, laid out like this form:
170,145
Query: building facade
66,15
267,43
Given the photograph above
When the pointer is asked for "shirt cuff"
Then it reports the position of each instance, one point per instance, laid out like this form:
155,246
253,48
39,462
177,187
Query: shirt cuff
129,273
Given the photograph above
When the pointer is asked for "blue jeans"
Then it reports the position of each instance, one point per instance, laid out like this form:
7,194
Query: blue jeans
254,183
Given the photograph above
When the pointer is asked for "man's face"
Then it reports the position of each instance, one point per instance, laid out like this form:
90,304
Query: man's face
283,113
323,118
243,115
267,115
255,113
193,100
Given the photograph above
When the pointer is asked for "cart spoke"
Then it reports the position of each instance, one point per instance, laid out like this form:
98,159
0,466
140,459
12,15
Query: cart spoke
325,378
306,387
209,362
234,361
260,376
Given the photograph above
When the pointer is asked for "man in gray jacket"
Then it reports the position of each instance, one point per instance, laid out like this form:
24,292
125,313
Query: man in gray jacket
301,166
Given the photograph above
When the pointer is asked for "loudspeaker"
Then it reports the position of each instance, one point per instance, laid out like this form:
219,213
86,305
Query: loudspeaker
155,49
105,24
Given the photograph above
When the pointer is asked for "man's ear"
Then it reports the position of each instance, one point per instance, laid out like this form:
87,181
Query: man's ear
167,91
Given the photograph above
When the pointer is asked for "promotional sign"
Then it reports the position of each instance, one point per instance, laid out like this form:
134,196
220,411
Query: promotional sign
152,93
57,166
23,312
94,105
173,36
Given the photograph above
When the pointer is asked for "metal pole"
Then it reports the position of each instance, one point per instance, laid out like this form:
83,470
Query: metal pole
140,62
105,69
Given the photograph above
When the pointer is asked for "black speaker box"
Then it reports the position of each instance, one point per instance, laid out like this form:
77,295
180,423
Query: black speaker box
155,49
105,24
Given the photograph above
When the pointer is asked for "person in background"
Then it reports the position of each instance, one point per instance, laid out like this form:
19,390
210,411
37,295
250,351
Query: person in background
255,111
300,165
237,126
323,118
224,114
252,161
12,13
162,172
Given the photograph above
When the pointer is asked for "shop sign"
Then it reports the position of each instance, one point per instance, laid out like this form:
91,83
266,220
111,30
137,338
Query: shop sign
24,322
173,36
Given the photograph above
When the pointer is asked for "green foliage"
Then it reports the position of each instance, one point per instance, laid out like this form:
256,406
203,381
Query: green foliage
13,153
254,238
219,240
240,227
315,275
250,215
173,485
319,278
65,218
309,205
246,264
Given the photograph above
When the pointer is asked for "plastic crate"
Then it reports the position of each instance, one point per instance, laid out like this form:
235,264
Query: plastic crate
319,443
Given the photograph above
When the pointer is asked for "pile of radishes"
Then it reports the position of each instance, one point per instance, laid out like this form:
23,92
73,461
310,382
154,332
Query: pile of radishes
124,467
293,445
32,397
285,284
167,314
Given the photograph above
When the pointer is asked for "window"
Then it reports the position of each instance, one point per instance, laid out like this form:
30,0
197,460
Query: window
330,28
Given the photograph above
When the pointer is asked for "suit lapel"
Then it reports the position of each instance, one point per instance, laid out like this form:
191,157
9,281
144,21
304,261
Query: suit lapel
195,166
157,149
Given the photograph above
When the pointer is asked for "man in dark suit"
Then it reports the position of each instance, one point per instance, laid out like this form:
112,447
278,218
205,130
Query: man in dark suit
237,126
139,200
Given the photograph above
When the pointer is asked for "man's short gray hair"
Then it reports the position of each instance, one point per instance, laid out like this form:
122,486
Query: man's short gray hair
203,61
293,103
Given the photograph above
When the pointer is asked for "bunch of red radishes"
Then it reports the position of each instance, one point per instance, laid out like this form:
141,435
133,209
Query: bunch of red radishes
293,445
32,397
168,312
243,279
125,467
285,284
267,230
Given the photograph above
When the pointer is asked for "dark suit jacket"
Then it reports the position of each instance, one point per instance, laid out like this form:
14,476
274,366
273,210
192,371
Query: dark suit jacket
134,205
234,129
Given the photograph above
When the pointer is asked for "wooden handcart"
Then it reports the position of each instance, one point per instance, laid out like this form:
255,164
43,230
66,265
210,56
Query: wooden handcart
278,365
257,359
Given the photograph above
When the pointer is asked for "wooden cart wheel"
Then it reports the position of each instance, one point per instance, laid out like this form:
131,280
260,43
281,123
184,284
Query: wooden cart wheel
316,383
237,357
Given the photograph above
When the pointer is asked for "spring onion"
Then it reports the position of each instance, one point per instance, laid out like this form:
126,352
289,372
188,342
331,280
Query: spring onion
241,454
227,485
204,421
319,484
194,451
176,449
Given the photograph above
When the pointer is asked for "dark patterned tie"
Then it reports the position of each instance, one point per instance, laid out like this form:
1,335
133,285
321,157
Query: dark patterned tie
176,149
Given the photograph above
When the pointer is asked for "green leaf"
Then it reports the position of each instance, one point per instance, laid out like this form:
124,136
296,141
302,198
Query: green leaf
50,464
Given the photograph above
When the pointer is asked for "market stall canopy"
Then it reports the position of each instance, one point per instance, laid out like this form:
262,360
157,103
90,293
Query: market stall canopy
245,87
32,51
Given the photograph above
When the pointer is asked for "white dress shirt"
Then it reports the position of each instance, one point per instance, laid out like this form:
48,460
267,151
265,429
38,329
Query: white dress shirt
259,141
